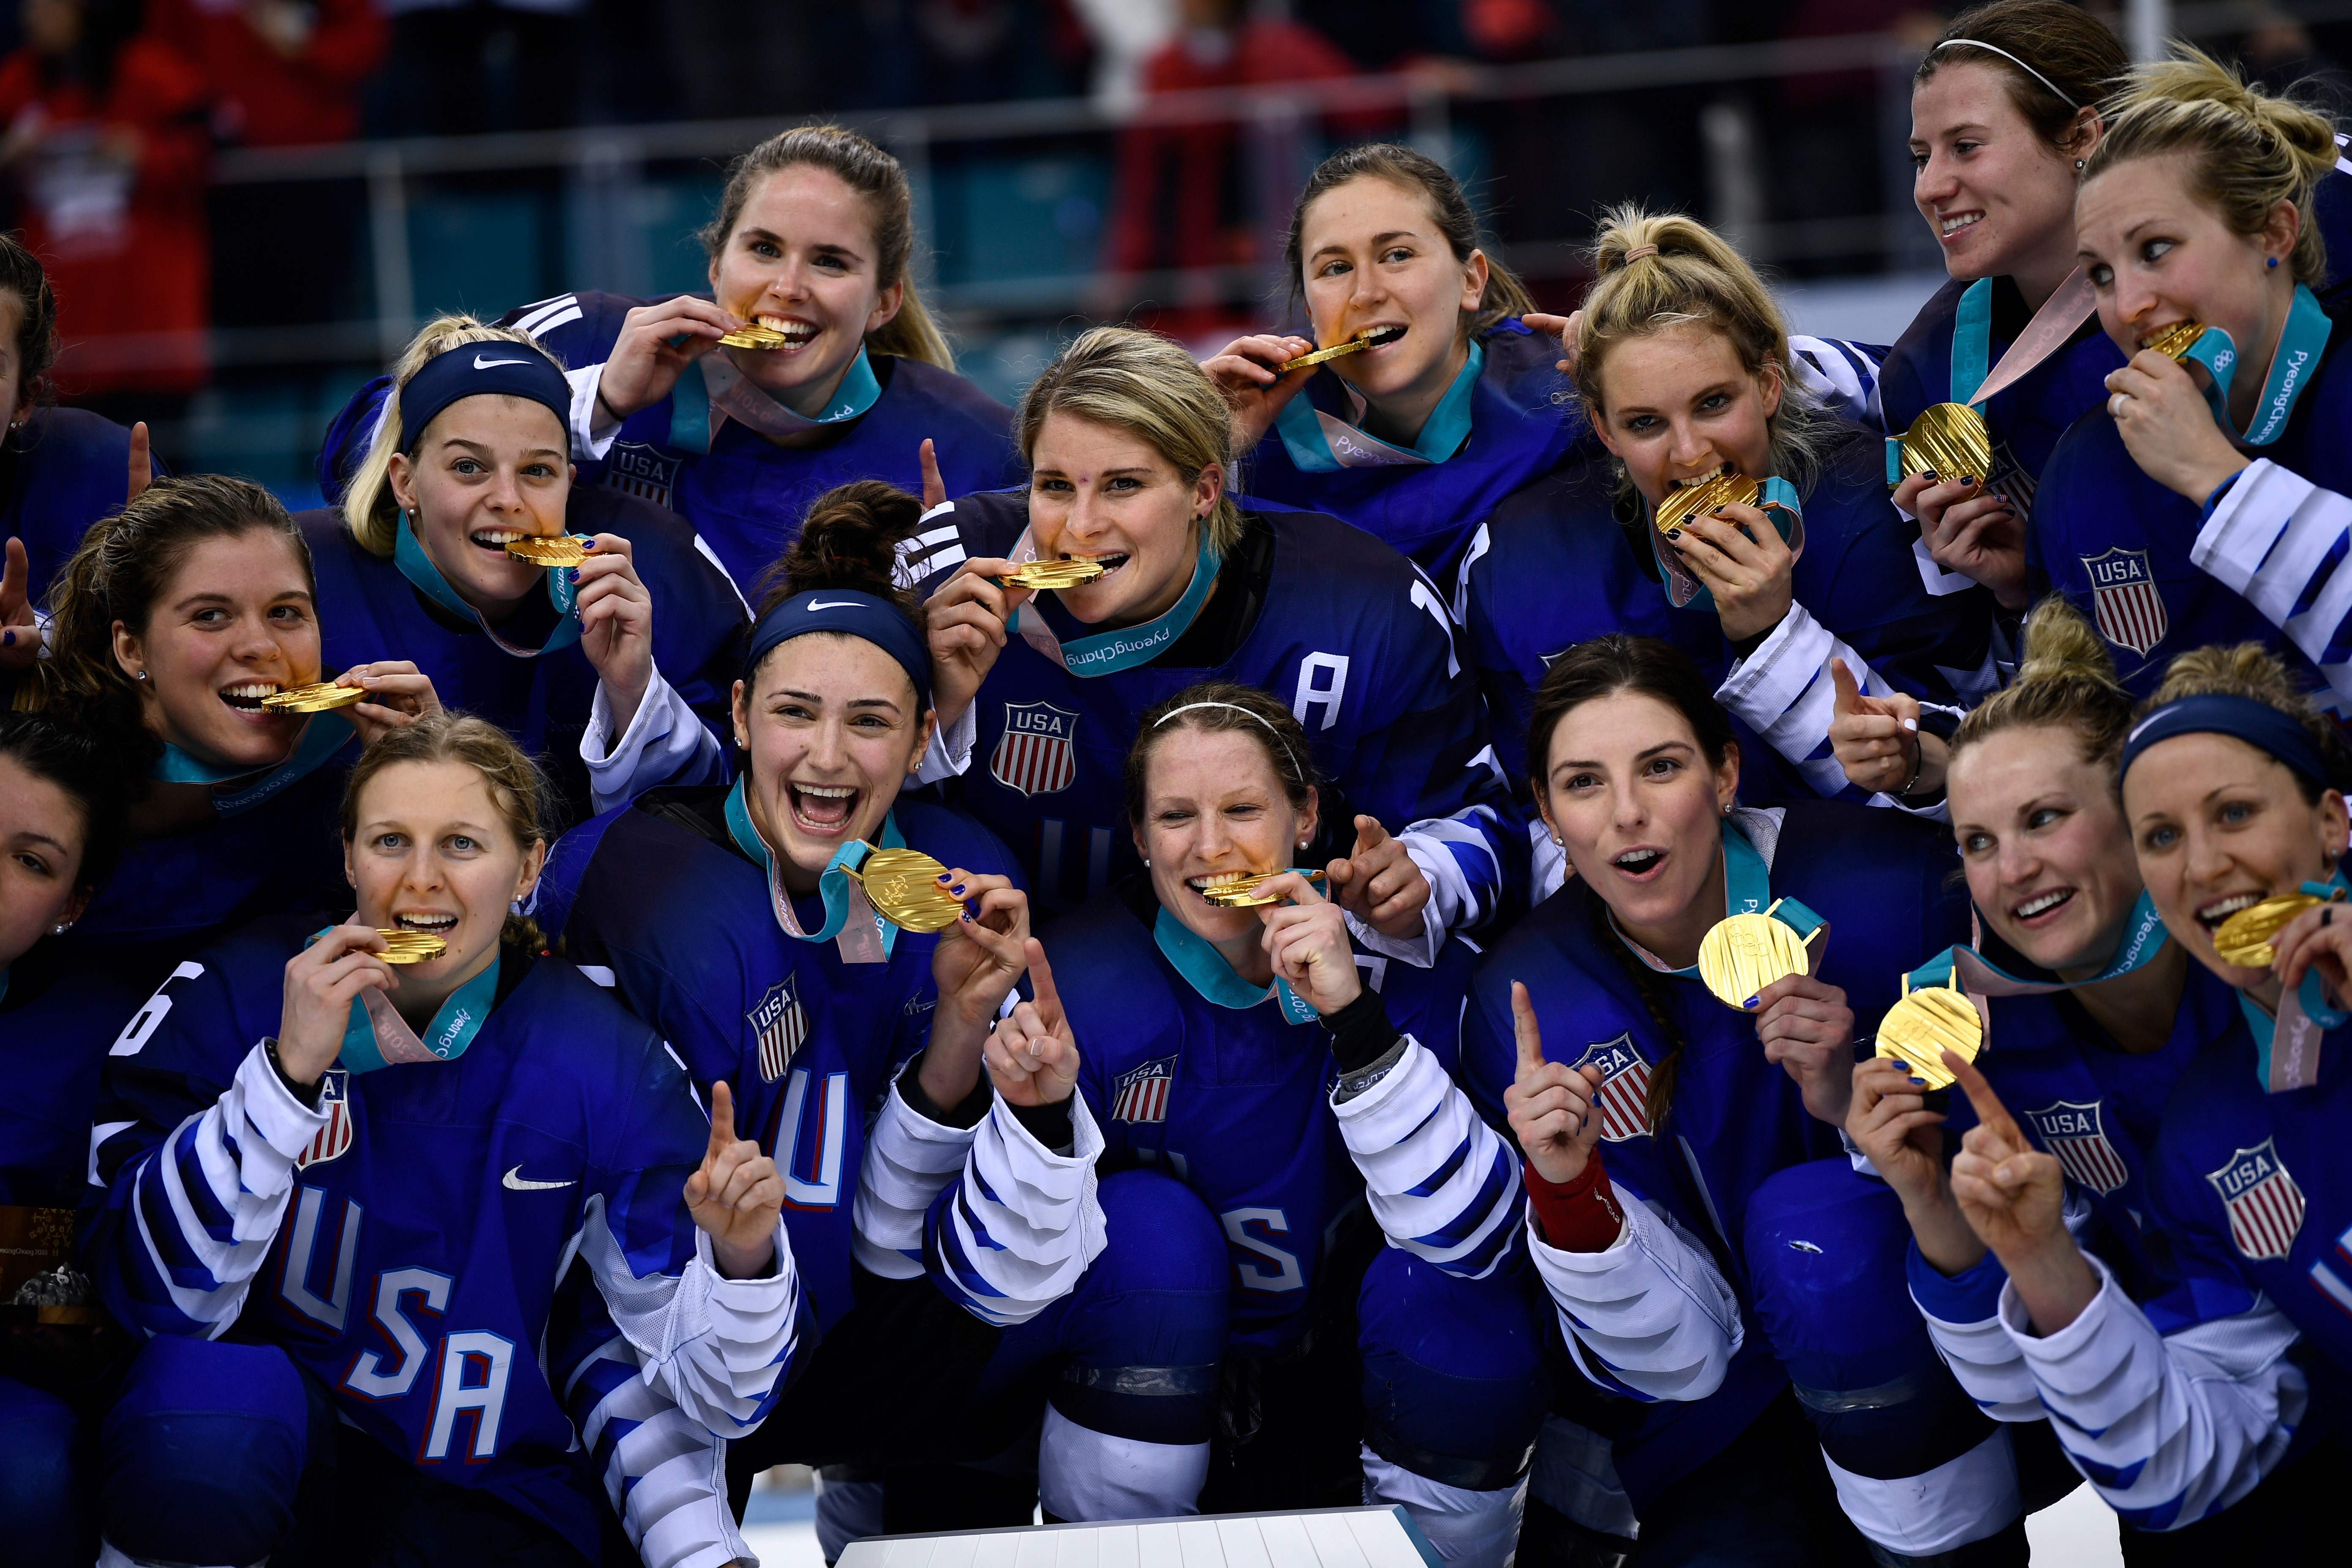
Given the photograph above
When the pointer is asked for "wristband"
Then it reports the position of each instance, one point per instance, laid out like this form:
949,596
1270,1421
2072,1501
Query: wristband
1580,1215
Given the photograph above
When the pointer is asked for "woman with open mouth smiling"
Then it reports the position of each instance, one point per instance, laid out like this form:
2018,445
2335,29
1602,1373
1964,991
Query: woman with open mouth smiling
424,1162
1589,1024
173,621
1130,452
728,917
614,670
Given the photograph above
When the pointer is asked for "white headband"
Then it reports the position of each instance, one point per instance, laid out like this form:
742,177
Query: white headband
1239,708
2012,59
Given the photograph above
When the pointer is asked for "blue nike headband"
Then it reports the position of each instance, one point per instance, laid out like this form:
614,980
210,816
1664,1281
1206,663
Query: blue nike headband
2257,724
477,370
852,614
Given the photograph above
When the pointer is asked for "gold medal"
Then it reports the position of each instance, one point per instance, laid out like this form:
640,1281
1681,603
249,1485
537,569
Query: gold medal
1726,489
320,697
1044,575
403,946
1244,890
2175,340
904,886
557,549
1741,954
1949,440
754,335
1372,339
2244,938
1918,1029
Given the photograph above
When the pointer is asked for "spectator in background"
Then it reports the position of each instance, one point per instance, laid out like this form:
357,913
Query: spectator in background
459,67
281,74
105,150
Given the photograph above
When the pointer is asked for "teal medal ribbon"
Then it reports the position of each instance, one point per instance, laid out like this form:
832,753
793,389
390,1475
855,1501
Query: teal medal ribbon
1214,978
2143,938
323,737
419,568
1747,890
864,937
1106,653
2287,1049
1778,502
700,403
2302,340
1321,443
378,1037
1972,341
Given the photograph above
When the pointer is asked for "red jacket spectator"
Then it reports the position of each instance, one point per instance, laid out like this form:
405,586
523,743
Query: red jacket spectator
281,74
111,193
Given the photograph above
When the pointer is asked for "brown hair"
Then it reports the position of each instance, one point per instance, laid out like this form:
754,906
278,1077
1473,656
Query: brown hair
516,786
1242,711
2253,671
2079,54
849,540
123,565
2247,150
2067,682
21,274
872,174
1504,294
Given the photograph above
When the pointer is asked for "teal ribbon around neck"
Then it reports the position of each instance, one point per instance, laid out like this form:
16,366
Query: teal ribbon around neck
455,1024
833,883
2304,1015
1972,341
1200,963
1747,890
409,556
1778,500
323,737
2301,341
1107,653
2143,938
1321,443
721,391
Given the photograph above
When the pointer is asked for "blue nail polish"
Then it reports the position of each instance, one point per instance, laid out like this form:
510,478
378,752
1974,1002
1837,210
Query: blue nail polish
7,639
1750,1002
943,875
957,890
1920,1081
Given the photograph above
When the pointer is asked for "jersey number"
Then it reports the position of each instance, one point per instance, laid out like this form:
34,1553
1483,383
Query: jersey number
1286,1274
811,1161
150,1017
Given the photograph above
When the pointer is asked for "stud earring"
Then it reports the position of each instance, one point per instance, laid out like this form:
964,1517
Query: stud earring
2271,262
62,928
143,675
2078,165
1726,808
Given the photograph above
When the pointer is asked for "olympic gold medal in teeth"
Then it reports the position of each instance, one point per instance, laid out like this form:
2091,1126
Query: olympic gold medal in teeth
1371,340
320,697
1741,954
1918,1029
1068,572
558,550
754,335
904,886
1677,507
2175,340
1244,890
2245,939
1949,440
403,946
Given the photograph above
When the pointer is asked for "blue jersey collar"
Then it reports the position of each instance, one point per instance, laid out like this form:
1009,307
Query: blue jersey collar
847,915
1321,443
1206,969
323,737
409,556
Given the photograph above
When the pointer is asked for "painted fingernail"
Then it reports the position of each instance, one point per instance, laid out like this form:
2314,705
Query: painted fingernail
957,890
1929,475
1911,724
1905,1066
7,639
943,875
1920,1081
1749,1003
1967,478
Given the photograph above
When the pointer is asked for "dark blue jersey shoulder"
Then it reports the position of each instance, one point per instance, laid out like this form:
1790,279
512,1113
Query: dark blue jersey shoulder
62,471
1523,420
59,1016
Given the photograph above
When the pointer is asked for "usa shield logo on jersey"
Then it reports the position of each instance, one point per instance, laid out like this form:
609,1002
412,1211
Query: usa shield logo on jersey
1035,754
1141,1094
2264,1206
1624,1096
635,468
779,1026
2075,1134
2125,601
334,1140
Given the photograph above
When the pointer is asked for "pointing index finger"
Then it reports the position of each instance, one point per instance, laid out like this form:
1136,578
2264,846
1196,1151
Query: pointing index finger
1370,834
1991,1111
1523,1024
1041,976
722,1118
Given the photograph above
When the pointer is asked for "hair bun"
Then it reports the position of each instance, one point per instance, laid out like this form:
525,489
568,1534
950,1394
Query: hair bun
848,541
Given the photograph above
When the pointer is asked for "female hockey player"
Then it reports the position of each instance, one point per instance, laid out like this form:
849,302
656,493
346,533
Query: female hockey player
1263,1073
1589,1024
2202,502
1130,450
814,242
614,670
2231,787
173,623
384,1177
728,917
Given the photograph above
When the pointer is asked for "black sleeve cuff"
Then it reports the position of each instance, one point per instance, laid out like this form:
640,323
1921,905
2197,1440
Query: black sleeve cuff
1049,1124
966,1112
307,1093
1361,1032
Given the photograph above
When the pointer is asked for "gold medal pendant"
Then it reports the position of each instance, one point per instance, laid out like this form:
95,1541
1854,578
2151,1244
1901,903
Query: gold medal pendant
752,335
1372,339
1244,890
2244,938
1918,1029
1679,506
1049,574
2175,340
904,886
1950,441
405,946
560,549
1741,954
320,697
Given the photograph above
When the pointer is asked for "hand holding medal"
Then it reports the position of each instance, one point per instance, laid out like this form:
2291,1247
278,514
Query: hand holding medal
2165,421
388,694
1307,940
322,981
1717,529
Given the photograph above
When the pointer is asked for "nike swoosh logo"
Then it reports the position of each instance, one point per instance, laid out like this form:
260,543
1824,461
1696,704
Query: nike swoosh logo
482,363
815,605
515,1183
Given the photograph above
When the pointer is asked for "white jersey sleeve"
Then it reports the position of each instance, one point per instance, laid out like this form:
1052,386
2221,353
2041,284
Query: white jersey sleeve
1023,1221
2279,542
1650,1315
1841,377
665,1475
1442,1183
909,1161
665,743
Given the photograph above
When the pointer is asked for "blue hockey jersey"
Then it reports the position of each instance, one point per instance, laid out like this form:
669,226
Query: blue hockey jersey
65,468
1348,634
59,1013
744,494
404,1240
1880,881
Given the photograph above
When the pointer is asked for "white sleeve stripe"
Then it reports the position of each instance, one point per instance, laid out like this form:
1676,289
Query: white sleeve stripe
1024,1222
1652,1306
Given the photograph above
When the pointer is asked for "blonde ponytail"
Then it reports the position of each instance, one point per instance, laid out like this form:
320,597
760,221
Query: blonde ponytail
2067,682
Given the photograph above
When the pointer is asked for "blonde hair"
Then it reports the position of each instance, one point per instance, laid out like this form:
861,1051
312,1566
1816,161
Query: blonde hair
369,509
516,786
872,174
1687,274
2249,150
1141,383
2067,681
2253,671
